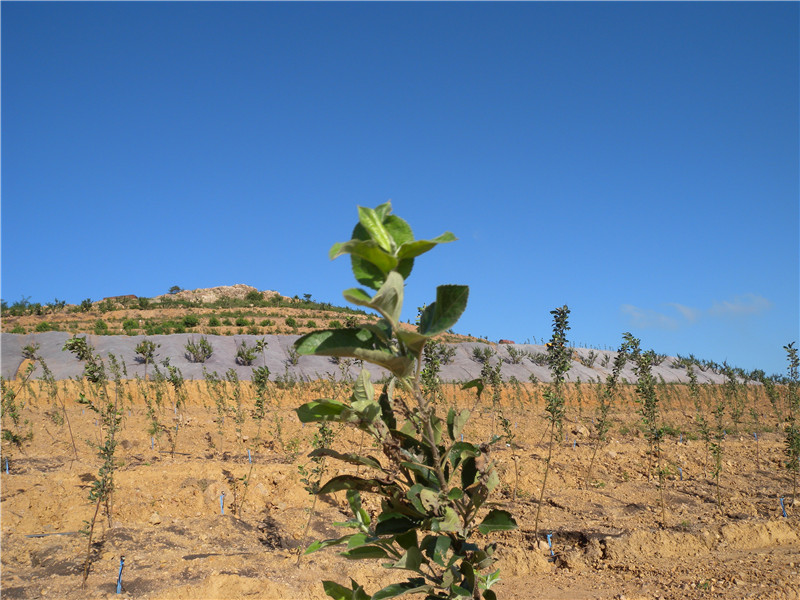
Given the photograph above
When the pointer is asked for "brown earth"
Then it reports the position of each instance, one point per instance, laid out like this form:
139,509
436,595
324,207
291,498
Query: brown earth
606,539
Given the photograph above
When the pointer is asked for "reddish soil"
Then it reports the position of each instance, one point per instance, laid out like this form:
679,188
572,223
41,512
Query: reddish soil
607,539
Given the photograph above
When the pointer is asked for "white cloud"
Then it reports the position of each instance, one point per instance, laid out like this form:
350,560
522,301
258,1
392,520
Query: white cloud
646,319
688,313
747,304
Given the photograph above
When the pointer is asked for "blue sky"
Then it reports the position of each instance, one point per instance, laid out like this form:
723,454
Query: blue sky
636,161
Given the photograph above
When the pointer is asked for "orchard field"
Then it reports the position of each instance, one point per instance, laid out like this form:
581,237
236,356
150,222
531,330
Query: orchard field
186,454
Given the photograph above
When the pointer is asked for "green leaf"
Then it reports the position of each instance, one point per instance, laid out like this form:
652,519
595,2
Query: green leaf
364,552
475,383
455,494
348,457
363,392
404,267
413,249
320,410
319,545
366,273
469,574
497,520
359,343
414,341
426,473
393,523
459,423
351,482
357,296
460,592
416,585
439,550
386,407
389,299
468,472
430,500
407,540
373,223
441,315
368,251
335,342
410,561
359,539
337,591
489,595
399,229
448,523
383,210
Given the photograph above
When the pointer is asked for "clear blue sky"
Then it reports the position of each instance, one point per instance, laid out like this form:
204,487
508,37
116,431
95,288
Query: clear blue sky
636,161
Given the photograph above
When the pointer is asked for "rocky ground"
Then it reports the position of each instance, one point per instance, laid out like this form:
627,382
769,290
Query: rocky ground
607,540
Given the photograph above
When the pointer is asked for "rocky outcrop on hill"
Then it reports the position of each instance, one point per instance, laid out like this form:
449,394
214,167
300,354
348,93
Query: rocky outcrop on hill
214,294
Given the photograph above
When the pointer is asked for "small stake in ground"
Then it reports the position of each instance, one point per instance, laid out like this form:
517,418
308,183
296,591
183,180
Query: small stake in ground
783,508
222,503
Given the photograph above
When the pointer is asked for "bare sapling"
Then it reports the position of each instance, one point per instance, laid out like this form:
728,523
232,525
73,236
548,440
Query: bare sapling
792,428
145,353
12,407
52,389
110,417
432,487
558,358
701,414
605,402
649,412
717,448
312,473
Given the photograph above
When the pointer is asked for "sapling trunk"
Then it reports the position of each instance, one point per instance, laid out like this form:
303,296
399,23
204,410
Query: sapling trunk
649,411
605,401
558,358
791,429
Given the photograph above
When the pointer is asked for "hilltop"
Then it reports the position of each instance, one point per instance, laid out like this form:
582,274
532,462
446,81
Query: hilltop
224,310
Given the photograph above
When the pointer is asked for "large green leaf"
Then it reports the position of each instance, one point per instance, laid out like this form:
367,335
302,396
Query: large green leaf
337,591
352,458
385,402
393,523
366,273
448,523
373,223
389,299
497,520
359,343
367,250
410,561
456,422
416,585
383,210
321,410
319,545
364,552
475,383
399,229
415,248
357,296
414,341
363,392
441,315
335,342
351,482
